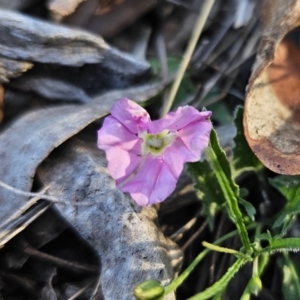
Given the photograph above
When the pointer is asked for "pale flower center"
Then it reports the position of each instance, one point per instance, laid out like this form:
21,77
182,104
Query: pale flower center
156,143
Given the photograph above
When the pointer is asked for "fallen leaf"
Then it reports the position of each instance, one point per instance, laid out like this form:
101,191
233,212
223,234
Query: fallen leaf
82,13
66,64
51,88
131,247
63,7
29,39
272,108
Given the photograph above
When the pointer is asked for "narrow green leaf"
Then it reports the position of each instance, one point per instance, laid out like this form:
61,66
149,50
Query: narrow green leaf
223,161
287,244
220,164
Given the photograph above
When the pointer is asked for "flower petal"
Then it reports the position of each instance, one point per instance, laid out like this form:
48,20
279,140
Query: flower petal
188,146
153,183
196,137
177,120
131,115
176,155
123,149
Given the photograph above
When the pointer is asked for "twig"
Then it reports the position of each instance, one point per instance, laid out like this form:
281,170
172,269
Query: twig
29,194
188,54
38,196
70,265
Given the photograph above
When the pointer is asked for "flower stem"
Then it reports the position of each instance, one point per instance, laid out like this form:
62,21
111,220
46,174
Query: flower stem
188,54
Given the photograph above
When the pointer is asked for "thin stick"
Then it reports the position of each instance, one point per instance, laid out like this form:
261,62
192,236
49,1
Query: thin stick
70,265
188,54
28,194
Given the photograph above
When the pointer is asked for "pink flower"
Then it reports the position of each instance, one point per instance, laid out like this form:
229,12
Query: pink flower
146,157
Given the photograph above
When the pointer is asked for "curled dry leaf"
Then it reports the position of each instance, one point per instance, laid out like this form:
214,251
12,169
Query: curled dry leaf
272,109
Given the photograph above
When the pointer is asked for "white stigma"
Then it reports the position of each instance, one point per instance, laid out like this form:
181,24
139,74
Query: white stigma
155,142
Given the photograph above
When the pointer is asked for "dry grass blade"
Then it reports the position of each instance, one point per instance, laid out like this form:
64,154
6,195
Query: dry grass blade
80,292
7,234
188,54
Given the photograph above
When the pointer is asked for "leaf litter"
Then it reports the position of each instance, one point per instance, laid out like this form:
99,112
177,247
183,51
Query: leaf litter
59,78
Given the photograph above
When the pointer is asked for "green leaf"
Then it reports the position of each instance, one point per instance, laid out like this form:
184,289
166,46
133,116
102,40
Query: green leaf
173,63
230,189
289,186
290,284
266,236
250,209
223,161
208,189
278,244
220,112
243,157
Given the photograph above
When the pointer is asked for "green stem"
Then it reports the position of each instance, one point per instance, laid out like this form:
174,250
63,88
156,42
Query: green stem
181,278
231,200
220,284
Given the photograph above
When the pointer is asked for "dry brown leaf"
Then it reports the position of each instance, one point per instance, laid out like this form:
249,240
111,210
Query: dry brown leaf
63,7
82,13
272,108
